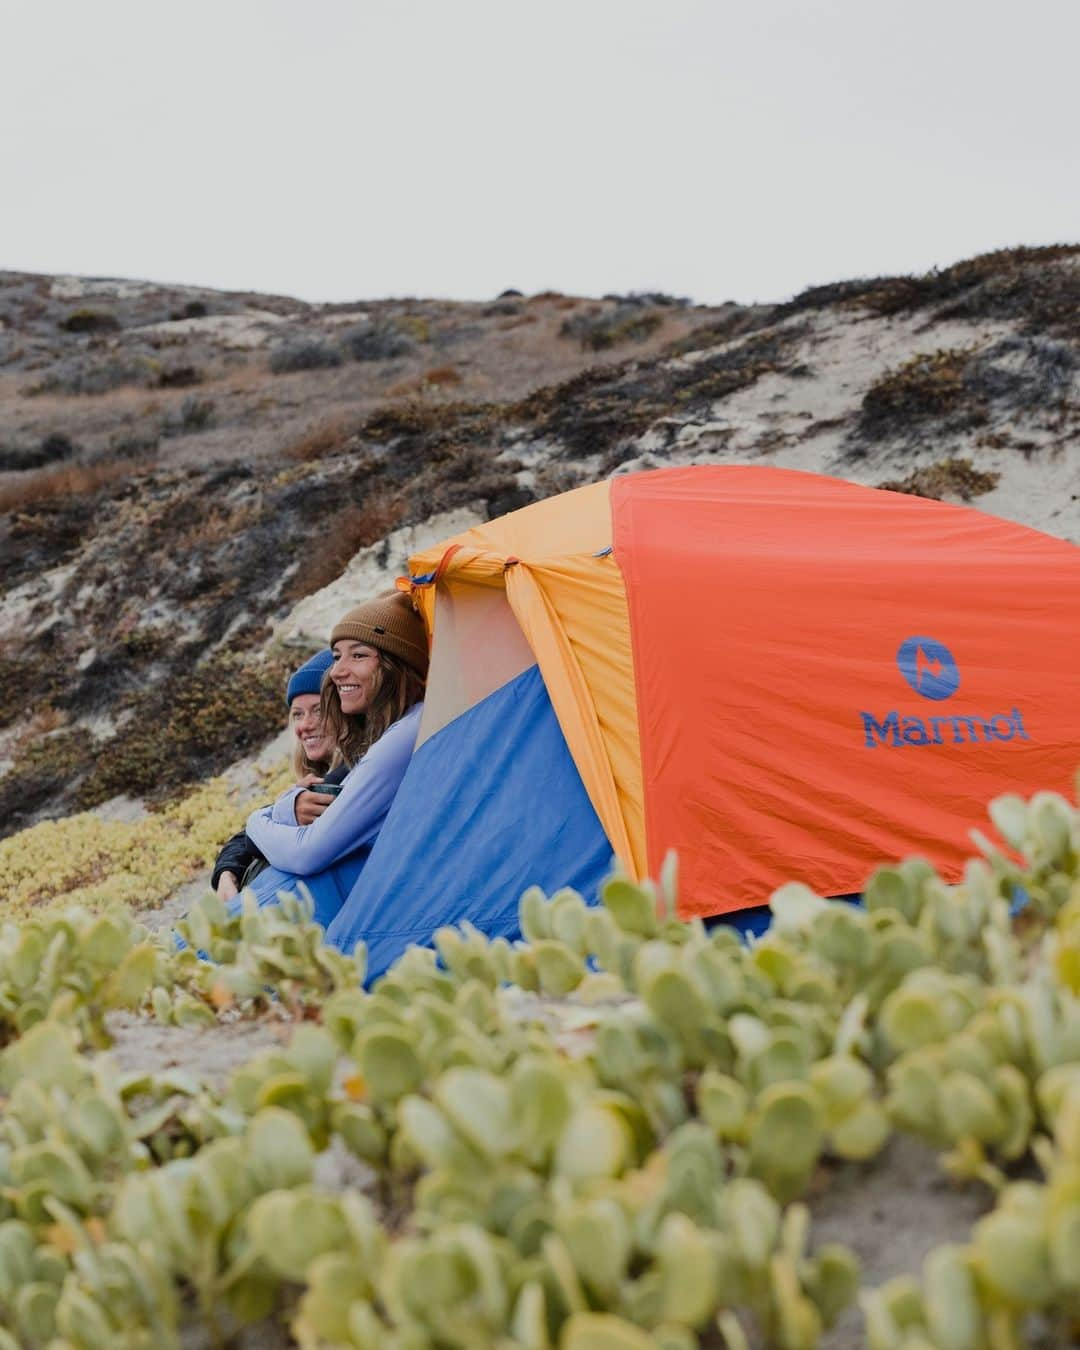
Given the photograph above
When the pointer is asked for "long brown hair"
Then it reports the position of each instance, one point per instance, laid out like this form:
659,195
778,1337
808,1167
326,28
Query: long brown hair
397,687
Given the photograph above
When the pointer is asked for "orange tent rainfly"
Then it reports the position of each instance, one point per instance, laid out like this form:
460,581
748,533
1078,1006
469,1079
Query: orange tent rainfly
781,676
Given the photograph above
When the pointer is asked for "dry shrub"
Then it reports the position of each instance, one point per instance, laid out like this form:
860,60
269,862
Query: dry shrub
198,724
541,296
220,523
304,353
339,540
90,321
417,386
422,417
74,480
895,295
442,375
43,721
326,438
598,331
946,478
928,385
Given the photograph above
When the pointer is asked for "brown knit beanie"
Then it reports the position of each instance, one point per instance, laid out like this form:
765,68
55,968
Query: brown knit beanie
390,623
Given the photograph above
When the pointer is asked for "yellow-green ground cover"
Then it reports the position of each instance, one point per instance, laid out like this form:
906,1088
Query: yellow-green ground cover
92,861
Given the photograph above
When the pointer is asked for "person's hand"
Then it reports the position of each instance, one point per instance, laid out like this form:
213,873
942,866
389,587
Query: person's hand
227,886
309,806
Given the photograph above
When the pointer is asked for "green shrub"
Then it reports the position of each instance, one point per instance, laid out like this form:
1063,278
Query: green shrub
377,340
90,321
305,353
600,331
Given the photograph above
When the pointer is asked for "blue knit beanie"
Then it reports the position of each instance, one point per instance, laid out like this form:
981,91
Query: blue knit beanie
308,679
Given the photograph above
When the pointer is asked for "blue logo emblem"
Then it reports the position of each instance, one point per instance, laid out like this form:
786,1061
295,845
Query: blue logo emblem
929,668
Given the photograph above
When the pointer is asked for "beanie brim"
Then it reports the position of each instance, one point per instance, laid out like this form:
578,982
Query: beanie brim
390,624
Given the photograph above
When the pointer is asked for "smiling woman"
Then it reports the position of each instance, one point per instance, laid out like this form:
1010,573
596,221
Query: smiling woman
371,700
313,751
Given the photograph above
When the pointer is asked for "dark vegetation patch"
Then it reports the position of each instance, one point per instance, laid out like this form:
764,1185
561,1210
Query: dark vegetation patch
194,309
179,377
45,772
50,450
26,683
592,413
439,426
308,353
1036,286
92,373
193,415
345,532
603,407
195,726
960,388
324,439
930,385
502,309
1045,301
651,300
377,340
598,330
90,321
739,322
1024,372
1008,283
947,478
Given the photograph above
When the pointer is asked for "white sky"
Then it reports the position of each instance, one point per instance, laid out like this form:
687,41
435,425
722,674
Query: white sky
346,149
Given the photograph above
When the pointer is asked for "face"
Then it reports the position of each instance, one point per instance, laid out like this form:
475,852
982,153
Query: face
307,727
355,675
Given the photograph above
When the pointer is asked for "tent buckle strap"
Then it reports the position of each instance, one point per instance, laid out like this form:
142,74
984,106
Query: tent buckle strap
510,562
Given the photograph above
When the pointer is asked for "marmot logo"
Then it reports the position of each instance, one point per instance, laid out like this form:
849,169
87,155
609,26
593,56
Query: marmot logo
929,667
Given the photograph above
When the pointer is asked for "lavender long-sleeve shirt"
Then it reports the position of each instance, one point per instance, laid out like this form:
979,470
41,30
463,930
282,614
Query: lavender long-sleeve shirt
352,820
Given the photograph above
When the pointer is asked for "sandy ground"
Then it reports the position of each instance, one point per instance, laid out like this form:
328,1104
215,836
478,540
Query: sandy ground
891,1212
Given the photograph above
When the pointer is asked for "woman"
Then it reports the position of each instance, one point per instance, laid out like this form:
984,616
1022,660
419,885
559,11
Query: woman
372,699
313,752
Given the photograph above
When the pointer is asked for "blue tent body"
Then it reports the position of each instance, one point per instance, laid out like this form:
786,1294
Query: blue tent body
505,762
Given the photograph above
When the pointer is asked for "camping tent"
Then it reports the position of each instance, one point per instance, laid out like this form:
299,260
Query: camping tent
777,674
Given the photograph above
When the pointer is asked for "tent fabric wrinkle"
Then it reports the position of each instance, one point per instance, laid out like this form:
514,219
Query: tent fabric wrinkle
490,805
786,654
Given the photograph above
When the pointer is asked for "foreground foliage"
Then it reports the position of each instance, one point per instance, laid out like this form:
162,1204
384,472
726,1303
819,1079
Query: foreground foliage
595,1139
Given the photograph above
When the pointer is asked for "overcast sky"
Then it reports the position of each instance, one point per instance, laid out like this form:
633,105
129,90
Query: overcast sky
341,149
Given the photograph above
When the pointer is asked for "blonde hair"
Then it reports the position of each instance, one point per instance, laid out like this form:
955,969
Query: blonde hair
302,765
397,687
